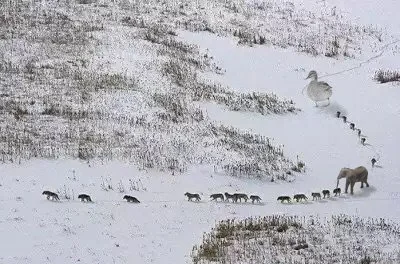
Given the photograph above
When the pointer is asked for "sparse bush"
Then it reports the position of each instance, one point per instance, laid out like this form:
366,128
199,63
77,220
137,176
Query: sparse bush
383,76
304,240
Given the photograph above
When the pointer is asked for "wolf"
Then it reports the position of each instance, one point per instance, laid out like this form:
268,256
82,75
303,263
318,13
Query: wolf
191,196
130,199
84,197
239,196
229,196
49,194
215,196
284,198
298,197
326,193
255,198
316,196
337,191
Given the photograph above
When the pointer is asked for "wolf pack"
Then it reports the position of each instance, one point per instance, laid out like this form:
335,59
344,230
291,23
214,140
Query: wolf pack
234,198
86,198
239,197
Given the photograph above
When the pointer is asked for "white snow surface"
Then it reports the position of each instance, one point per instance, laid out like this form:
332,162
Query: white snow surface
164,227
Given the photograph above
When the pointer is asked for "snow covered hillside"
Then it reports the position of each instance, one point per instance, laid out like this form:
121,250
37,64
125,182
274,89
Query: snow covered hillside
158,98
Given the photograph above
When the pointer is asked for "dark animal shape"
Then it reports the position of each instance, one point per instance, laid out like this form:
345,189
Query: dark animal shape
255,198
51,195
284,198
337,191
316,196
326,193
373,161
301,246
84,197
338,114
358,132
191,196
130,199
352,126
229,196
299,197
215,196
240,196
344,119
363,141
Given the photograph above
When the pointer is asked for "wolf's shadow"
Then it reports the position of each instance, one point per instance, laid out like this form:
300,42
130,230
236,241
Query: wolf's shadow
365,192
332,108
197,202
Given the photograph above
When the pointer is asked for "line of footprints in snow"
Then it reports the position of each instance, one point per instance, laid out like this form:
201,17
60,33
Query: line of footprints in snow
237,197
353,127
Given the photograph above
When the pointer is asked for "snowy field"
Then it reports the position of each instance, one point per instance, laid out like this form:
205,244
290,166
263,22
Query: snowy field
164,227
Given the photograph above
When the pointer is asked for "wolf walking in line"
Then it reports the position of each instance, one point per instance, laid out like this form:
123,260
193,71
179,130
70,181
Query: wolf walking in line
130,199
51,195
255,198
191,196
215,196
84,197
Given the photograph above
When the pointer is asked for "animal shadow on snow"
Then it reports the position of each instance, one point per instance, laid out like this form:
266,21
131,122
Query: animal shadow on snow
297,203
197,202
332,108
364,192
246,203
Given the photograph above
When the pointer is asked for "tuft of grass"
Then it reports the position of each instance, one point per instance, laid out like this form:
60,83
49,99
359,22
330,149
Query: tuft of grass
385,76
294,240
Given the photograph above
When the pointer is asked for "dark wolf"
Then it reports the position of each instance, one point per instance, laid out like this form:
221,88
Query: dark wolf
191,196
229,196
130,199
239,196
299,197
284,198
255,198
51,195
337,191
326,193
215,196
316,196
84,197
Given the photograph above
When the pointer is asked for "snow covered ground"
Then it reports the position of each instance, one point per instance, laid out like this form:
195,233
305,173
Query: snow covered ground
164,227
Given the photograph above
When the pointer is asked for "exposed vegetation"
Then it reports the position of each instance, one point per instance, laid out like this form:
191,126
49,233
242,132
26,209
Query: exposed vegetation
59,96
385,76
294,240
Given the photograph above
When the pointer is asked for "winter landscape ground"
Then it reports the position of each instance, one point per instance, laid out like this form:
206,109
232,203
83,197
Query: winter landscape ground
158,98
